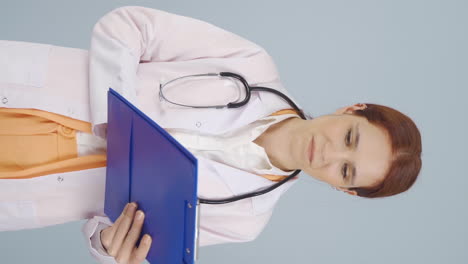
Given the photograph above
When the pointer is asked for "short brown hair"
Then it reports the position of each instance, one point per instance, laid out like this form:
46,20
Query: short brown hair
406,148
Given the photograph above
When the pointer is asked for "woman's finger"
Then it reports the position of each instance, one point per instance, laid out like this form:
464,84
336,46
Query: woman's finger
140,253
132,236
107,234
121,232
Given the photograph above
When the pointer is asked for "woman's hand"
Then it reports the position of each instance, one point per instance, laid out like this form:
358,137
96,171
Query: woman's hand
120,239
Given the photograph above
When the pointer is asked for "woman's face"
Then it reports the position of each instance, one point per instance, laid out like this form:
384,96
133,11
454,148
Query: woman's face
343,150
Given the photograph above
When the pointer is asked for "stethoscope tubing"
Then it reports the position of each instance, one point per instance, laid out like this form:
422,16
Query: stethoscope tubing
249,195
248,90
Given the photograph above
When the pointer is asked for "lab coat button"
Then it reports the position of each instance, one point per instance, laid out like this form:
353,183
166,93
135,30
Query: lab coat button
60,179
4,100
67,132
198,124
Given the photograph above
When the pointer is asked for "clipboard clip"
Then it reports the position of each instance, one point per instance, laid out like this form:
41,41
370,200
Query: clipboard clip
191,248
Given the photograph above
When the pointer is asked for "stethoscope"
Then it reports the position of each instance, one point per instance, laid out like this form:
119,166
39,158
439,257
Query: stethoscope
248,90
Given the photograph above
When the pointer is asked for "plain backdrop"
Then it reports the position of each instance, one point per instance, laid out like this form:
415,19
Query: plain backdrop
408,54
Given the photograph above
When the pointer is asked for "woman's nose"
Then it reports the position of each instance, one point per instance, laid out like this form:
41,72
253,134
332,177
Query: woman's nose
332,154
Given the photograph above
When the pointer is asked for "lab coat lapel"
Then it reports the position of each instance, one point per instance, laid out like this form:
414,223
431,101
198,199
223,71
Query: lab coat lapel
236,182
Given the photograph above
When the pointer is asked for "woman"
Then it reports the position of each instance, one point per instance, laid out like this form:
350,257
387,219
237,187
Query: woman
363,149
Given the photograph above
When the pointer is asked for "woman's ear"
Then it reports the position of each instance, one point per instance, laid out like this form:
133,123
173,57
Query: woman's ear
354,193
350,109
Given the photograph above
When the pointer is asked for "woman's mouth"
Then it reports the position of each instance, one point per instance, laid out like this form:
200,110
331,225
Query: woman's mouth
311,150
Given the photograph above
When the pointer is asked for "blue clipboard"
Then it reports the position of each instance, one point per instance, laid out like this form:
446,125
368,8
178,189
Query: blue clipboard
147,165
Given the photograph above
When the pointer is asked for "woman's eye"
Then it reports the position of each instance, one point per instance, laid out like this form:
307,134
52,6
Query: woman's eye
344,170
348,138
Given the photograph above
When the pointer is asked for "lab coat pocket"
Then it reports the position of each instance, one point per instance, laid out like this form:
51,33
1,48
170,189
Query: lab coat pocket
23,63
16,215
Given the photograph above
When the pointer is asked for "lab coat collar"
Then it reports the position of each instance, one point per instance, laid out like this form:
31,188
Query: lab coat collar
241,182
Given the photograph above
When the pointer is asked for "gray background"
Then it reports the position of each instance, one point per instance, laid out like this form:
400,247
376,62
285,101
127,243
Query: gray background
408,54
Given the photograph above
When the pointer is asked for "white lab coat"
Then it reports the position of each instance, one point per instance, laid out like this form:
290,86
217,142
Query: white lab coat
133,50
